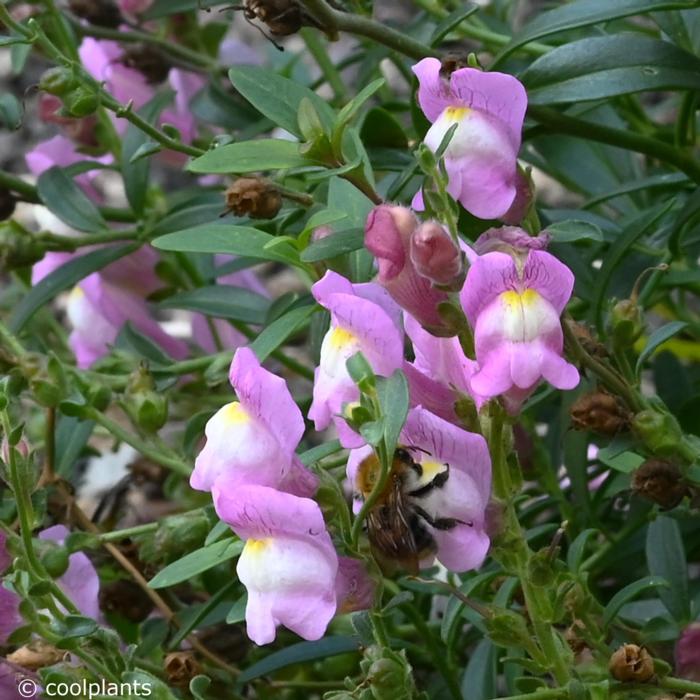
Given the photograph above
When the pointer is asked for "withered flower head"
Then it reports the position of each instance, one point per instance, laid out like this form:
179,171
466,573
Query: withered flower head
588,341
255,197
282,17
600,412
150,62
35,655
103,13
631,664
181,667
660,481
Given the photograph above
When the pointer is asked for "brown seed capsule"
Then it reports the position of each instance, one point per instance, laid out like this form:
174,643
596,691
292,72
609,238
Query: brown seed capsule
103,13
631,664
573,637
150,62
35,655
255,197
181,667
588,342
600,412
125,598
660,481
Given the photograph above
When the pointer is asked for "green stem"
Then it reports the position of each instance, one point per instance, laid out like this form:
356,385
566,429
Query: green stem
370,501
330,72
165,457
680,685
542,694
562,123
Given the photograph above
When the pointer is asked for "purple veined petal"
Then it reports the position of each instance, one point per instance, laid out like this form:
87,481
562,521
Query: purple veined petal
549,277
425,391
80,582
488,276
10,618
299,481
498,94
266,396
354,589
330,283
462,549
434,93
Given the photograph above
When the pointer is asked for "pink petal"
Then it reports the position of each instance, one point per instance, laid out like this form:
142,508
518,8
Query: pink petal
434,93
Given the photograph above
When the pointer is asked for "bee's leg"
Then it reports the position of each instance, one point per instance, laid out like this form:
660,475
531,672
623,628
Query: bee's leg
440,523
437,482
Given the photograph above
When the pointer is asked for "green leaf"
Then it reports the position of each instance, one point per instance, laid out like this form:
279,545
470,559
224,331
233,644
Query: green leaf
74,626
300,653
320,452
452,21
10,40
334,245
237,612
142,680
135,170
480,680
582,14
164,8
10,111
68,202
196,562
600,67
199,686
666,558
280,330
659,336
574,230
222,301
225,238
347,113
63,278
393,399
251,156
628,593
72,435
574,557
278,98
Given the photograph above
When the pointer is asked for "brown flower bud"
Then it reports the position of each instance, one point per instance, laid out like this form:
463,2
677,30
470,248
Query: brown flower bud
660,481
125,598
103,13
35,655
600,412
631,664
255,197
181,667
146,59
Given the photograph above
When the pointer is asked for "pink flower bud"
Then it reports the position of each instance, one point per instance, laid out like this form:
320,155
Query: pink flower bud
22,447
388,234
688,653
523,199
435,255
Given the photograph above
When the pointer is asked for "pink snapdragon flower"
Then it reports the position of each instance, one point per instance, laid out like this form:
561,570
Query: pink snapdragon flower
252,440
98,309
481,158
363,319
288,565
461,461
440,372
688,653
388,235
513,301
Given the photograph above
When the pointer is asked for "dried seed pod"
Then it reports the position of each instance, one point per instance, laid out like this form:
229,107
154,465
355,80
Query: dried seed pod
103,13
181,667
35,655
255,197
600,412
573,637
660,481
588,341
150,62
631,664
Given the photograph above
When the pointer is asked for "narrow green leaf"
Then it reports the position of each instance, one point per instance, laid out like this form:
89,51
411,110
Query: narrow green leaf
393,399
196,562
600,67
251,156
224,238
68,202
10,111
300,653
222,301
334,245
480,680
165,8
628,593
452,21
63,278
280,330
659,336
149,148
348,112
574,230
583,13
574,557
278,98
72,435
666,558
237,612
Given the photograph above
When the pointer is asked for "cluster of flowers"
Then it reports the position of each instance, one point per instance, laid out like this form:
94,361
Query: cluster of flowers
512,295
104,301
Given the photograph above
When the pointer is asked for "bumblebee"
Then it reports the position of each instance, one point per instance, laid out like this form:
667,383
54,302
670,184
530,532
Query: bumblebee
398,526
